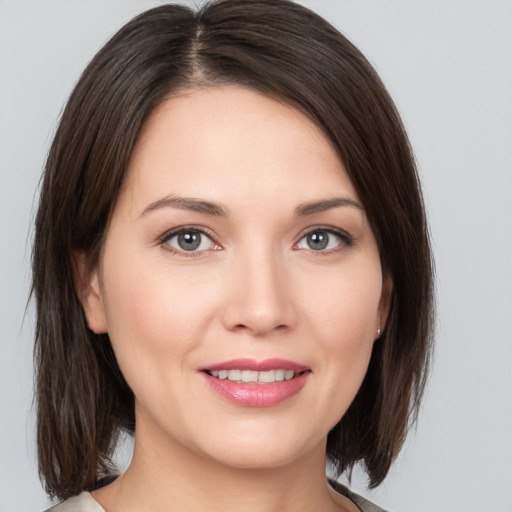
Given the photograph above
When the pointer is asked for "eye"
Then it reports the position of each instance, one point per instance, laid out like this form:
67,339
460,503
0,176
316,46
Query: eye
188,240
325,240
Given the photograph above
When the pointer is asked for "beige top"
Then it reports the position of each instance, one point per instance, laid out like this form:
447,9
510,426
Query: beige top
81,503
86,503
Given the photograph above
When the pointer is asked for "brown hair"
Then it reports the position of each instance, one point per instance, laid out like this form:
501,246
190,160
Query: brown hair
286,52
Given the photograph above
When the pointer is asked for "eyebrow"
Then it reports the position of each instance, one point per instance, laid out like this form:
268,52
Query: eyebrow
186,203
209,208
326,204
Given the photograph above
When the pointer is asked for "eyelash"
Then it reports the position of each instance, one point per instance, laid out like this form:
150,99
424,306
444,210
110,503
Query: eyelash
168,235
345,240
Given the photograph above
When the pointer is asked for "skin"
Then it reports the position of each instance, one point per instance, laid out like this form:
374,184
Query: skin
253,289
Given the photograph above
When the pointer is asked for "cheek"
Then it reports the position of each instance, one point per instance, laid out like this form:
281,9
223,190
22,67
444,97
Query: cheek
345,306
344,317
156,314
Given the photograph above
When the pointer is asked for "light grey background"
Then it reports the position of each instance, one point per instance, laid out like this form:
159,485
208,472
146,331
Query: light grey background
448,65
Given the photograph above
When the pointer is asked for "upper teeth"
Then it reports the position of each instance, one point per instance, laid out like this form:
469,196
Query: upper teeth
253,376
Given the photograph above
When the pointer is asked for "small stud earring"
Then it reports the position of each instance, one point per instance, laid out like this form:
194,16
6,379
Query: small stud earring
378,332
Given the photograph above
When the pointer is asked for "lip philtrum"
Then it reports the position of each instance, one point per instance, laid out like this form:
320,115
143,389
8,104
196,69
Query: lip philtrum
256,384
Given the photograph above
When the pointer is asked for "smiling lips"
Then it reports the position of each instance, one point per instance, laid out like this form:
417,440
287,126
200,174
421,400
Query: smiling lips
257,383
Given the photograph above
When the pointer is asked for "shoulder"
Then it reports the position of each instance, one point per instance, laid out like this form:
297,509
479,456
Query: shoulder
362,503
81,503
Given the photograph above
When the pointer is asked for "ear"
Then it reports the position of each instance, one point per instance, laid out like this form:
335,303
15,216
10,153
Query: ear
87,284
384,303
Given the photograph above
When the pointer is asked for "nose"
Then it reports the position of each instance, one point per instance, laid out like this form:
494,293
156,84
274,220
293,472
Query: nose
260,299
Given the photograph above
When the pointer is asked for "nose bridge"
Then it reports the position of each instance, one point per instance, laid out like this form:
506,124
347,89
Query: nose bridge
260,301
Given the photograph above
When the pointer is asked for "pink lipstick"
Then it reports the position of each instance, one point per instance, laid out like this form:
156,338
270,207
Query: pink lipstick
252,383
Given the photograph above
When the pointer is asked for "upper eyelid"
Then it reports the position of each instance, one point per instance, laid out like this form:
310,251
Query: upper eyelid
329,229
175,231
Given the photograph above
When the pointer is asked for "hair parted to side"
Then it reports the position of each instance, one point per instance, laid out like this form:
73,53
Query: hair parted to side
287,52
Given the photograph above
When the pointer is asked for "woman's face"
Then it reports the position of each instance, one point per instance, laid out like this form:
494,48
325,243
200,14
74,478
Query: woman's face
238,251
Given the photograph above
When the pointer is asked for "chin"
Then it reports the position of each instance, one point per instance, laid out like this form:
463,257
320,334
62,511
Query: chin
261,452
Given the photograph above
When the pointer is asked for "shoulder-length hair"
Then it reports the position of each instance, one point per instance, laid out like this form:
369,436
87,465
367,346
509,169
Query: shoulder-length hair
286,52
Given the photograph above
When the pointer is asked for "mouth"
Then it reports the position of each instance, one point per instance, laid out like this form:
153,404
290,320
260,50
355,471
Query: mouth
251,383
253,376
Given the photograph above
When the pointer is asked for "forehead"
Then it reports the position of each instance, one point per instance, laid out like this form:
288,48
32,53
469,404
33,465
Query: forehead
232,142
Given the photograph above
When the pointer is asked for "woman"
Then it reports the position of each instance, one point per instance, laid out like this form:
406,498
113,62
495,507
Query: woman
232,263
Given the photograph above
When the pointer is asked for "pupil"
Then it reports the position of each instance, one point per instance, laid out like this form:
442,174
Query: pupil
189,241
318,240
